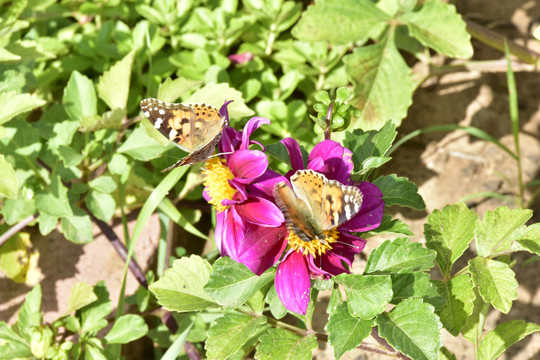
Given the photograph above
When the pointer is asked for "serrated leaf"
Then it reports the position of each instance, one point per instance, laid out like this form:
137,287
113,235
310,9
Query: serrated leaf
459,295
473,329
9,185
440,27
499,228
229,333
217,94
280,344
181,287
231,284
81,295
367,295
13,346
399,256
368,144
394,226
53,200
449,233
382,81
79,97
339,22
412,328
415,285
530,239
127,328
399,191
496,282
93,315
100,204
13,104
113,86
346,332
503,336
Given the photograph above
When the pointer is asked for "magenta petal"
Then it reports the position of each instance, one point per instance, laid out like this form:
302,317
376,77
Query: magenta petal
229,141
247,164
371,212
295,154
264,186
241,58
224,111
231,230
261,247
293,282
252,125
337,158
261,212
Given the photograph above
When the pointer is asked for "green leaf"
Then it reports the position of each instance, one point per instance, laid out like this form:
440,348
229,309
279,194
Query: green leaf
503,336
177,347
415,285
77,228
496,282
367,295
368,144
53,200
438,26
81,295
108,120
80,97
449,233
339,22
412,328
100,204
229,333
30,314
113,86
499,228
13,346
530,240
399,191
171,90
459,295
70,156
9,185
383,84
279,151
93,315
393,226
47,223
280,344
181,287
140,146
399,256
104,184
127,328
217,94
231,284
13,104
346,332
18,209
445,354
277,308
473,329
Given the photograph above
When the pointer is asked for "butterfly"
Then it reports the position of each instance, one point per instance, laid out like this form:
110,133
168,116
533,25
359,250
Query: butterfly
194,128
315,204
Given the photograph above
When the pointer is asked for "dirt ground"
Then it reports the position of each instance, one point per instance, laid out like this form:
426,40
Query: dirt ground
445,166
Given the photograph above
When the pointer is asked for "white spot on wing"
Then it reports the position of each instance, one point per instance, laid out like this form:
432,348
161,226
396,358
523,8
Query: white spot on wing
158,123
161,112
147,114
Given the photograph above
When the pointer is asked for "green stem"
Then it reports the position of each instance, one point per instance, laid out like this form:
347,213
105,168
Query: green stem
271,39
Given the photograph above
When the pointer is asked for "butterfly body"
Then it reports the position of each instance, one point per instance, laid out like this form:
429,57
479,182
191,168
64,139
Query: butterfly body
315,204
194,128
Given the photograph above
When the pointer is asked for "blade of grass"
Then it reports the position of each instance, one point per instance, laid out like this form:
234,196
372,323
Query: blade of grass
471,130
514,118
486,194
171,211
175,349
147,210
164,223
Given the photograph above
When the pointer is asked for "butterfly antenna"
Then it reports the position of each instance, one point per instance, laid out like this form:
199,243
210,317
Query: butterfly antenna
351,245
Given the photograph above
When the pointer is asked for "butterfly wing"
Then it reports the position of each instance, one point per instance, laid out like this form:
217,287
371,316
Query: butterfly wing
195,128
298,216
331,202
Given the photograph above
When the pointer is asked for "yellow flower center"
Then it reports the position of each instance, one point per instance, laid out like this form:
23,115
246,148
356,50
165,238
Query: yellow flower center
314,247
216,179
